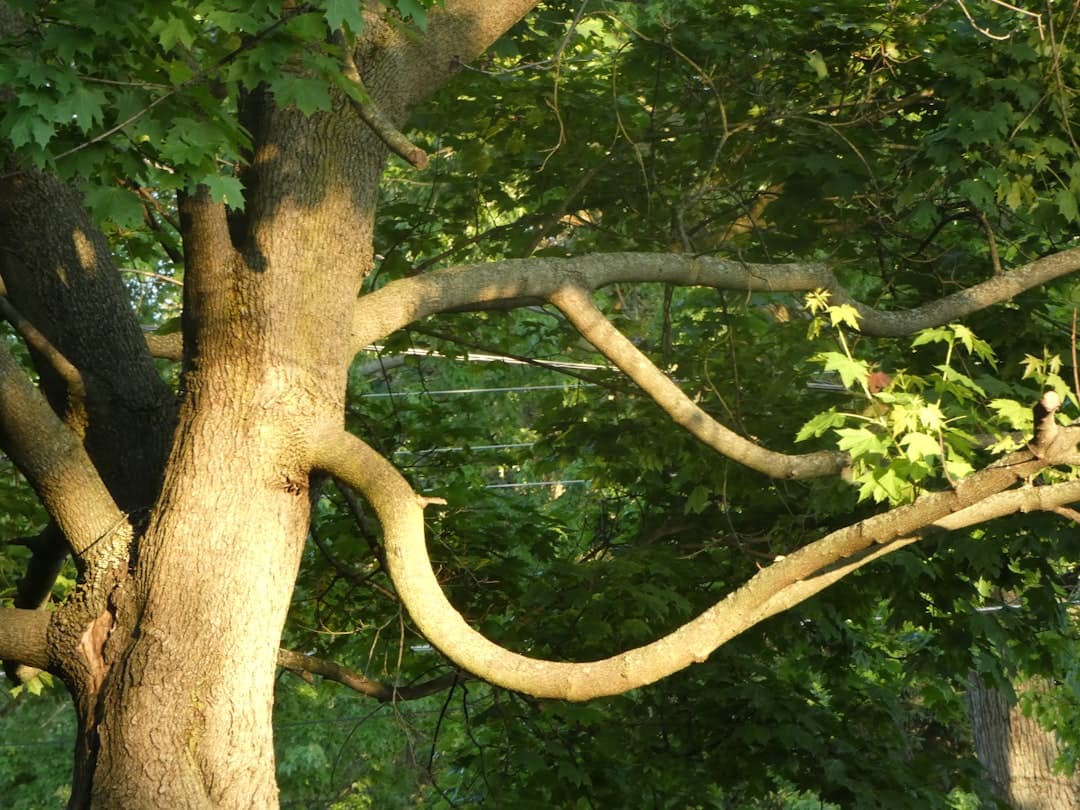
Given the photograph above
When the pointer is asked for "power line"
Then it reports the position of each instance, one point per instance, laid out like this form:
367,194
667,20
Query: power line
497,390
479,357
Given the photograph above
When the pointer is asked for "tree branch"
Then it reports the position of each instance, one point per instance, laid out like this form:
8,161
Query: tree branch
298,662
54,461
785,582
23,637
73,381
64,281
535,279
374,117
579,309
166,347
458,31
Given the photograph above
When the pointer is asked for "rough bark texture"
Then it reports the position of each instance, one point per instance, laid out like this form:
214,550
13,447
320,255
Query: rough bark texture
190,520
1018,754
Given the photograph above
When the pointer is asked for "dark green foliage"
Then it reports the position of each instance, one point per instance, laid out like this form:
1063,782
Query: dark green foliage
892,140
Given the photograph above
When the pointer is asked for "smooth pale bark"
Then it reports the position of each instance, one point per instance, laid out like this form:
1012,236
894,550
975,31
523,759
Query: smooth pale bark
170,649
784,583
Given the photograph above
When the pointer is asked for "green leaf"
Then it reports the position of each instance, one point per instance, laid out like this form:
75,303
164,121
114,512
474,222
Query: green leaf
1017,415
820,424
23,125
116,205
860,442
307,95
851,371
173,30
1066,203
937,334
344,12
698,500
83,105
411,9
225,188
844,314
920,445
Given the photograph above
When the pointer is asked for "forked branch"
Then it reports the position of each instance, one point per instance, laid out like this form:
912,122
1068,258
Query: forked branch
310,664
576,304
401,302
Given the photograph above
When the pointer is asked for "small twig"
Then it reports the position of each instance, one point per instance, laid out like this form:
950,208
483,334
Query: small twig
151,274
40,343
332,671
373,116
995,259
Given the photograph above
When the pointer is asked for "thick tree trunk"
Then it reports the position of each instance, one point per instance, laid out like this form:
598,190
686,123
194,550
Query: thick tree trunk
169,644
265,311
1018,754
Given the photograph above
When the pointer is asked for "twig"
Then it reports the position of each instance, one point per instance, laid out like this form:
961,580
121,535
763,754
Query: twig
332,671
374,117
995,259
37,341
1076,372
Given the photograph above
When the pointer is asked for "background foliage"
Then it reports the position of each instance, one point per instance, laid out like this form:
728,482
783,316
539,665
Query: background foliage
911,150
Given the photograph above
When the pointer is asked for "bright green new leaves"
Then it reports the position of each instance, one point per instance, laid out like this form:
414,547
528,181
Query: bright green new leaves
909,432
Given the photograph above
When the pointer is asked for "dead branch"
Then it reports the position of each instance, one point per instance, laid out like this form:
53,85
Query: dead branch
300,663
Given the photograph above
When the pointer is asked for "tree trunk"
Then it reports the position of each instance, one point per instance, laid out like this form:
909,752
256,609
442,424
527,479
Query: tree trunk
187,564
1017,753
267,301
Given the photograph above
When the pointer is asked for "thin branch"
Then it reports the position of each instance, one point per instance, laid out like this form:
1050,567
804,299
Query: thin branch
991,241
298,662
579,309
1076,371
197,78
372,115
152,274
38,342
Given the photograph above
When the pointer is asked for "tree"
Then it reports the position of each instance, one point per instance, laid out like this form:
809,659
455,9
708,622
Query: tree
267,131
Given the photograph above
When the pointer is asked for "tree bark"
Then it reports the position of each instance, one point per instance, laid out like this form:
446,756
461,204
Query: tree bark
195,517
1017,753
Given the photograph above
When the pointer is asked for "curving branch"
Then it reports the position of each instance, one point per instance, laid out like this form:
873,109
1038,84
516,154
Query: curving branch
310,664
370,113
567,282
576,304
786,582
532,280
54,461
